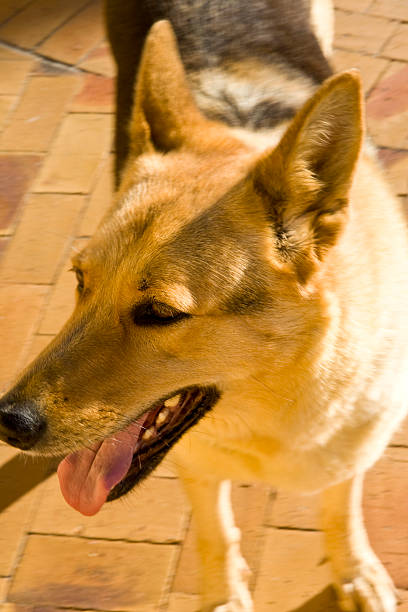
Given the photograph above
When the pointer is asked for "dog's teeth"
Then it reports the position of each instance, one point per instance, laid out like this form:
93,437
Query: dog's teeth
172,402
162,416
149,433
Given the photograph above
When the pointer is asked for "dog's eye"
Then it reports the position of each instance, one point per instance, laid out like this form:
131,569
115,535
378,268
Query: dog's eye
157,313
80,278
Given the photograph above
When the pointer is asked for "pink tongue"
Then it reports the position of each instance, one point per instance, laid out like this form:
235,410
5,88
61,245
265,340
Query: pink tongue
87,476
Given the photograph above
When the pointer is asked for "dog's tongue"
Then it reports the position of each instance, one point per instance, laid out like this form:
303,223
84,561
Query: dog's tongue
87,476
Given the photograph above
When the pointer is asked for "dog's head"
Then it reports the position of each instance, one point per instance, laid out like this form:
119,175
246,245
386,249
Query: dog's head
207,270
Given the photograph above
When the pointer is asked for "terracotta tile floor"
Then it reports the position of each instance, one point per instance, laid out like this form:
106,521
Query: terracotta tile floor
56,104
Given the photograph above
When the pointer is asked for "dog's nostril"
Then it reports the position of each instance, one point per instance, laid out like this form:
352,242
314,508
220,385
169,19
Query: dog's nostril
21,424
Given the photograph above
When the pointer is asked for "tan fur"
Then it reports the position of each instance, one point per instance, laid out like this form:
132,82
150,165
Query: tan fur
297,293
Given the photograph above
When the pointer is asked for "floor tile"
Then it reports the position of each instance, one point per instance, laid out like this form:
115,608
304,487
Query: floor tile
82,142
292,573
154,512
92,574
77,37
37,344
390,96
293,511
352,5
100,61
45,227
181,602
7,103
390,131
393,9
397,173
4,586
4,242
249,503
37,116
61,303
7,53
397,47
186,578
95,96
8,8
20,309
13,75
362,33
16,175
43,16
100,200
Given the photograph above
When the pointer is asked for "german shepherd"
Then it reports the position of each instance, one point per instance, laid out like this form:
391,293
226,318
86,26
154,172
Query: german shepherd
249,286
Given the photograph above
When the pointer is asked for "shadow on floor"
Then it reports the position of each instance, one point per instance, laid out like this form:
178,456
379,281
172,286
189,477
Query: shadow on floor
22,474
325,601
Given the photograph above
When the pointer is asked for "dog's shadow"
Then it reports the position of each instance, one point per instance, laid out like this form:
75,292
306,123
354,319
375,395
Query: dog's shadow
20,475
325,601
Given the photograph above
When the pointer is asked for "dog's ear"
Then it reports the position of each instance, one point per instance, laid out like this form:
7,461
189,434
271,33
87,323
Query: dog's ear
165,115
305,181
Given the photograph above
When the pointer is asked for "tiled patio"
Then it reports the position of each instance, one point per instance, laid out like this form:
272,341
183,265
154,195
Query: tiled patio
56,104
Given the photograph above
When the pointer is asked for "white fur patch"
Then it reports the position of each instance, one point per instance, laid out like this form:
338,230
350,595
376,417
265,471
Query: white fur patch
247,84
322,22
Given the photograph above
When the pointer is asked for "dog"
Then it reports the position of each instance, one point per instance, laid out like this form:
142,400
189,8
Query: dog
242,305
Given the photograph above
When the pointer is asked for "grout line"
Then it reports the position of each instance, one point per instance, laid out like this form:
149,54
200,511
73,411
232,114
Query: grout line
378,79
33,608
79,193
165,598
175,542
289,528
26,283
271,499
388,39
20,10
44,335
21,547
49,60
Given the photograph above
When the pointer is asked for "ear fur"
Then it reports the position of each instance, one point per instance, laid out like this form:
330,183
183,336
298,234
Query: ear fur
165,114
305,181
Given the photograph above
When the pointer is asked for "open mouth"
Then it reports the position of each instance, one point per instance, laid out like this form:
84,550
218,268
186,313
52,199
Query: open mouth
111,468
162,427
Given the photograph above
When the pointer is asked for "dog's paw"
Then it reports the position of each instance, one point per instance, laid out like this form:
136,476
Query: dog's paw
369,590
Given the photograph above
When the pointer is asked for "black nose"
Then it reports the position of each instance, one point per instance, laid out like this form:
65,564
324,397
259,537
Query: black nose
21,424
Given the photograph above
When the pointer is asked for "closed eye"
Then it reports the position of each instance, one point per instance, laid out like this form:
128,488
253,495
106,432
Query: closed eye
157,314
80,278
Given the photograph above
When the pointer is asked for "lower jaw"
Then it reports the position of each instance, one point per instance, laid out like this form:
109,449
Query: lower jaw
146,460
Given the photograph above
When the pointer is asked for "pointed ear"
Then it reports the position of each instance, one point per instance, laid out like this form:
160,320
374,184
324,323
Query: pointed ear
164,114
305,181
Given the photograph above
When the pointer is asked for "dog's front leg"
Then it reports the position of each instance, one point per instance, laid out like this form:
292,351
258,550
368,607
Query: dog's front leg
360,579
224,572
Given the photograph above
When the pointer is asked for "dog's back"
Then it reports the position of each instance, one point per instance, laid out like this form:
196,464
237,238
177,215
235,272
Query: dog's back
249,64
